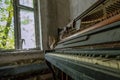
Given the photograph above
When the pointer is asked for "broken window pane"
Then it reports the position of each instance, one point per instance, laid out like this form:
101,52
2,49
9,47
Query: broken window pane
27,29
28,3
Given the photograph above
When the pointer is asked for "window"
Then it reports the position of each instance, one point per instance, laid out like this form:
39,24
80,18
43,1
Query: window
28,30
27,24
22,31
6,25
28,3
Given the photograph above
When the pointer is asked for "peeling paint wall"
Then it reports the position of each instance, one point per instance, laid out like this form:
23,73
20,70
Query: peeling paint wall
58,13
63,12
77,7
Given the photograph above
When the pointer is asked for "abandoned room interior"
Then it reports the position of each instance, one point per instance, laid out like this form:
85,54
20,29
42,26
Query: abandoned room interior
59,39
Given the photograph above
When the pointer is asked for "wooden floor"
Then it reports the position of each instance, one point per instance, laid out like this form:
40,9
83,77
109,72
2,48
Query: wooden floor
47,76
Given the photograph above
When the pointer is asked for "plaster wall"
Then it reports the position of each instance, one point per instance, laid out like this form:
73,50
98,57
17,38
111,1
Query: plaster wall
58,13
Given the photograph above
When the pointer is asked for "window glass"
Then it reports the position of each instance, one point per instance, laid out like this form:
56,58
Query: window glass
27,29
28,3
6,24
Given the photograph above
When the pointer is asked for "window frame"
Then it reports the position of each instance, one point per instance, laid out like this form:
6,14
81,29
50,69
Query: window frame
17,29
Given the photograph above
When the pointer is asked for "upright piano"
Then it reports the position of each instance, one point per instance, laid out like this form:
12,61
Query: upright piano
89,46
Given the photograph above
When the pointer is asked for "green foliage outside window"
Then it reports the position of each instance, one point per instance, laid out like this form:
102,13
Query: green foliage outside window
6,24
